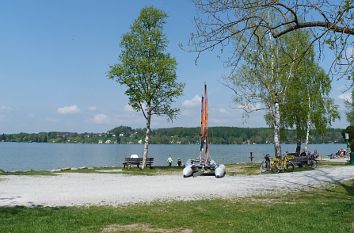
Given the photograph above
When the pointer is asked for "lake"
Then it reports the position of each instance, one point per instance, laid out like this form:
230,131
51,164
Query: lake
47,156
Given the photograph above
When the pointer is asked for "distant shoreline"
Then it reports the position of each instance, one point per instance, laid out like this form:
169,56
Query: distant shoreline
178,135
75,143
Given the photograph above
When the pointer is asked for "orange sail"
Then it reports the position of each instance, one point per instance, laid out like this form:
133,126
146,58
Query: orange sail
204,127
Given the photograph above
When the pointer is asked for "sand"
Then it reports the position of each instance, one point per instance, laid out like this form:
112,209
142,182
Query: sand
75,189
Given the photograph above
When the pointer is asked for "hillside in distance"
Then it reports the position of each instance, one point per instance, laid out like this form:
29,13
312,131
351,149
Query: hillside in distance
178,135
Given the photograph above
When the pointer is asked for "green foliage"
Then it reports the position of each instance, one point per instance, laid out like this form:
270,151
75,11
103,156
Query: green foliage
145,69
318,210
350,131
307,97
350,107
285,72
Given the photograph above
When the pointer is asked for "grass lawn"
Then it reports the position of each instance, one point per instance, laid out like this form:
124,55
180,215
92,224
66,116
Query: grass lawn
324,210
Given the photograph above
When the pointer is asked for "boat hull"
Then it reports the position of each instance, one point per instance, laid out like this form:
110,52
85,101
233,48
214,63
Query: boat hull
188,171
220,171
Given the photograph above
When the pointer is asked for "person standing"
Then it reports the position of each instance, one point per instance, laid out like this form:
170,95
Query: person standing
169,160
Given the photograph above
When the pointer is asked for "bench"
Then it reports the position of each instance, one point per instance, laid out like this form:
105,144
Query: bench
128,162
149,162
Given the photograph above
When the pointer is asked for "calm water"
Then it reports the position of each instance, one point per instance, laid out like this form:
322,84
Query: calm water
26,156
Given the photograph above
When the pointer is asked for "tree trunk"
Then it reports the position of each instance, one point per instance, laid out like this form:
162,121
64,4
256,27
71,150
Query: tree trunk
307,131
308,125
298,145
277,129
147,137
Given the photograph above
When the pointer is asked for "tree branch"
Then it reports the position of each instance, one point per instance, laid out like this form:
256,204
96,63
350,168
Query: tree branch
328,25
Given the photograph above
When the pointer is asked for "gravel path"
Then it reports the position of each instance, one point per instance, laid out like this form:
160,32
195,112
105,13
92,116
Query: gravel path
114,189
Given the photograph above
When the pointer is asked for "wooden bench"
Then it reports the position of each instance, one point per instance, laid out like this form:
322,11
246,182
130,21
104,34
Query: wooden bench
149,162
128,162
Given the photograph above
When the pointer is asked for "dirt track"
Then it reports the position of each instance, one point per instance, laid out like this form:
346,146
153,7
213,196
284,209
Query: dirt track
112,189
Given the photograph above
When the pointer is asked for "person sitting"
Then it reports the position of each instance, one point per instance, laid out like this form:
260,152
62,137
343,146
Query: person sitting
179,162
303,153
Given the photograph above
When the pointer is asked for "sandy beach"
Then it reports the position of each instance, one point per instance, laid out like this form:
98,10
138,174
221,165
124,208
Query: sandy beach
72,189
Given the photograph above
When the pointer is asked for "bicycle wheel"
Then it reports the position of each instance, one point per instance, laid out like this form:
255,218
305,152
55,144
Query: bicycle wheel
263,167
313,163
290,166
275,168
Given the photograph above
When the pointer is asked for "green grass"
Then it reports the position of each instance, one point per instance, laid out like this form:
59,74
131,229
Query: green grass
329,209
243,169
155,170
27,173
325,163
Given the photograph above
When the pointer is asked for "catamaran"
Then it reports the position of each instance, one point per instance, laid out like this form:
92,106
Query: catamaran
204,165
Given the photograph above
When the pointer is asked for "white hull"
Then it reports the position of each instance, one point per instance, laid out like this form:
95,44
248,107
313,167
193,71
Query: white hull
220,171
188,171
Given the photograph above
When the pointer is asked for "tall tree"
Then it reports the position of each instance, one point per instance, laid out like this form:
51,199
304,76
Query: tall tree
261,83
147,70
308,104
331,24
294,94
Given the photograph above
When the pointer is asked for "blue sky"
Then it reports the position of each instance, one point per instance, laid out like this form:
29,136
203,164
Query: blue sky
54,57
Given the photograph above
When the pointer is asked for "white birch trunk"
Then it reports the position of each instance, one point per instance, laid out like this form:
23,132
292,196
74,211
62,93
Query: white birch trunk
307,132
308,122
147,137
276,119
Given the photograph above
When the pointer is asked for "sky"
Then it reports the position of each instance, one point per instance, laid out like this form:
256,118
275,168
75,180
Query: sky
55,55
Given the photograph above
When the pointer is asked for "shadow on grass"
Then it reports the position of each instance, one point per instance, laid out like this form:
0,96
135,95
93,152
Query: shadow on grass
345,190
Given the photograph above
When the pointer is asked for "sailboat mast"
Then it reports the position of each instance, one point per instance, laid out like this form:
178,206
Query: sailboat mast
201,129
206,123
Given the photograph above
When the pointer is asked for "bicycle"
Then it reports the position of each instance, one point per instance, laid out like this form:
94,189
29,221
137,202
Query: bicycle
265,164
277,164
312,161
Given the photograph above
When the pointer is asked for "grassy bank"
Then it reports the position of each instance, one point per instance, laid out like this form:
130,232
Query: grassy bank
328,209
231,169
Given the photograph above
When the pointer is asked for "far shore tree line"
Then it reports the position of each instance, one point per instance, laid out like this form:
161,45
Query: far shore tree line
179,135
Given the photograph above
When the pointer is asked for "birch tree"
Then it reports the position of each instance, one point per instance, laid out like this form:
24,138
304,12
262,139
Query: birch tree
147,71
261,83
308,104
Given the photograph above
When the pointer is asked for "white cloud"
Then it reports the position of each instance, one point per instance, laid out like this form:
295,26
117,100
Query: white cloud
100,118
4,108
72,109
346,96
92,108
128,108
195,101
